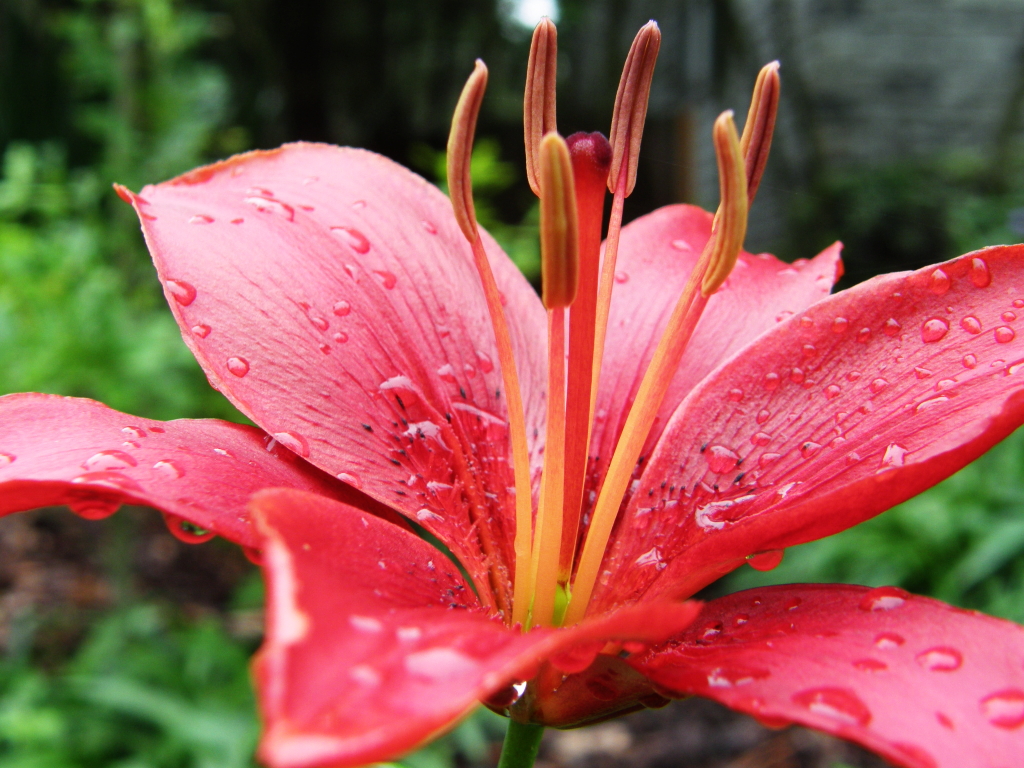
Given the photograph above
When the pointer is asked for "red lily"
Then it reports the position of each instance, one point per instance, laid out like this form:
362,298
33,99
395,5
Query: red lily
334,298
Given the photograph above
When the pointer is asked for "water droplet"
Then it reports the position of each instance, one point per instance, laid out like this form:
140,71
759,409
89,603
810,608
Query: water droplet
6,458
424,515
797,375
469,369
105,461
185,530
341,337
447,373
201,218
320,323
870,665
387,279
793,603
359,204
94,509
325,348
269,205
839,704
940,282
341,308
771,381
930,402
621,277
980,275
933,330
239,366
183,293
883,599
732,677
809,449
293,442
760,438
878,385
809,350
783,315
940,659
201,331
721,459
169,469
762,416
766,561
653,557
1004,334
864,335
1008,317
945,384
428,227
891,327
832,391
350,479
888,640
922,373
806,322
767,459
352,237
1018,303
840,324
681,245
970,361
944,720
736,395
133,431
1004,709
971,324
484,361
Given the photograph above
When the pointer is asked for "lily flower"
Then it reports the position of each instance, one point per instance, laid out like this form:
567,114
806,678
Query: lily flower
671,408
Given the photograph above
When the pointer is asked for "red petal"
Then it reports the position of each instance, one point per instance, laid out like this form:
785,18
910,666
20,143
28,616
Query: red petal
836,424
656,255
62,450
921,683
337,306
375,643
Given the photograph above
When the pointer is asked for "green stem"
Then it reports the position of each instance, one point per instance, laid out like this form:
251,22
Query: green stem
522,741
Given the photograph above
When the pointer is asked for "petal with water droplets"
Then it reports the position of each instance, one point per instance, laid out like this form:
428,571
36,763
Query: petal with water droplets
948,692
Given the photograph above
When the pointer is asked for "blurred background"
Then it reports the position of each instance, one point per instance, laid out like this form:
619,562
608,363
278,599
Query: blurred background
900,134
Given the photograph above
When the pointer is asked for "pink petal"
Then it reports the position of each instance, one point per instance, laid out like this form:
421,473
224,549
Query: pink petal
656,255
858,403
338,307
375,642
63,450
923,684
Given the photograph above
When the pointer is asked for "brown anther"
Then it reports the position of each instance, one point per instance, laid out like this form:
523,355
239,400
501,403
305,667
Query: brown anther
539,99
631,105
760,126
731,220
460,150
559,236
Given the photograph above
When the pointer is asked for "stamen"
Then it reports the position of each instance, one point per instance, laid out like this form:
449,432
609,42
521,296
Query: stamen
539,99
760,126
663,364
560,256
460,185
627,130
591,156
731,219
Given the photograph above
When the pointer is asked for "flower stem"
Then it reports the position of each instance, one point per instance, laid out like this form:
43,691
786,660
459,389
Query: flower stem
522,741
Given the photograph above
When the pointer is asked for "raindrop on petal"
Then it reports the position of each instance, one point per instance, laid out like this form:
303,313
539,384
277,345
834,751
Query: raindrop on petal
1004,709
980,275
840,324
355,239
169,469
186,531
766,561
239,366
888,640
294,443
183,293
864,335
201,331
6,458
721,459
883,599
933,330
94,509
940,659
891,327
108,461
894,456
839,704
341,308
971,324
1004,334
970,361
351,479
940,282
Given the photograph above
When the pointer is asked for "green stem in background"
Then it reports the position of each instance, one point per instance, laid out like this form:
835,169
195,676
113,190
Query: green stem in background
522,741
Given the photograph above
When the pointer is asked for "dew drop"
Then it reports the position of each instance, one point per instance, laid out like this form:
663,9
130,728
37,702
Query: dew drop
940,659
832,391
760,438
105,461
325,348
94,509
809,350
922,373
840,324
269,205
806,322
186,531
736,395
169,469
771,381
980,275
870,665
793,603
891,327
469,369
428,227
293,442
784,315
1018,303
886,641
447,373
767,459
809,449
341,337
239,366
320,323
359,205
201,331
940,282
839,704
681,245
864,335
883,599
6,458
970,361
878,385
721,459
1004,334
797,375
621,277
201,218
762,416
183,293
341,308
350,479
484,361
387,279
971,324
352,237
733,677
1008,317
1004,709
425,515
933,330
766,561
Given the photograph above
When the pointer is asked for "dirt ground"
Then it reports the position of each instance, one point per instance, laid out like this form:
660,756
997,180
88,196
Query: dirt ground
57,570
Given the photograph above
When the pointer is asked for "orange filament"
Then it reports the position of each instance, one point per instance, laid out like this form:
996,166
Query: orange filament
460,185
591,155
539,99
732,226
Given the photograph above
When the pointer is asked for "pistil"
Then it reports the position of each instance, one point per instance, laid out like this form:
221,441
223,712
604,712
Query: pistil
460,186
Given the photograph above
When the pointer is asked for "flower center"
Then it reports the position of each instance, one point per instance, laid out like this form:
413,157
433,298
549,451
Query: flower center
551,587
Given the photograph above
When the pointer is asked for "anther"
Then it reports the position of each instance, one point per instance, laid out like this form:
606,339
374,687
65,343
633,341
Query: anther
631,105
460,150
539,99
559,237
731,220
756,140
